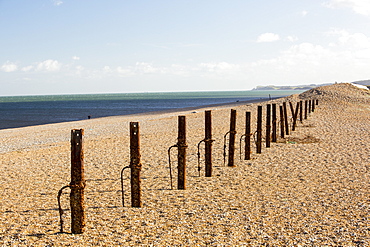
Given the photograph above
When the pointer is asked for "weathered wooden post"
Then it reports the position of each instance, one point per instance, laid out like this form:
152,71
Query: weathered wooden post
268,125
286,119
77,185
135,164
208,143
181,156
274,120
282,132
232,138
301,111
247,140
259,130
305,109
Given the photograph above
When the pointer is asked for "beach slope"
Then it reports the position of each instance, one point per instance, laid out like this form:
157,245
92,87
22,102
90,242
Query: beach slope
310,189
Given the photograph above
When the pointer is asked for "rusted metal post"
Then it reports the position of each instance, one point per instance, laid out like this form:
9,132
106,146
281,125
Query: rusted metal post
135,164
232,138
301,111
274,123
259,130
208,143
291,108
313,105
286,119
181,156
305,109
247,140
77,185
282,132
274,120
295,116
268,125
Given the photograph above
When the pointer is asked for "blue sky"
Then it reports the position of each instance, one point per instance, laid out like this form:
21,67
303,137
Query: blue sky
110,46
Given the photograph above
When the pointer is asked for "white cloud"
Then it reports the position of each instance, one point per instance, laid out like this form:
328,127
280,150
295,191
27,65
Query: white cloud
75,58
304,13
220,67
344,59
292,38
27,68
49,65
358,6
268,37
57,2
9,67
350,41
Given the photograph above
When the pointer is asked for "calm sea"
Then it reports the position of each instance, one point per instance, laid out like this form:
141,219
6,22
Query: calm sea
21,111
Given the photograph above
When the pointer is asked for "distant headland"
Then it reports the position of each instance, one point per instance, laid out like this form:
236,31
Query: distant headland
305,87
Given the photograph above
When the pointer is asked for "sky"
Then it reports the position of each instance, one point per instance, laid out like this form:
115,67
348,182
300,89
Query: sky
110,46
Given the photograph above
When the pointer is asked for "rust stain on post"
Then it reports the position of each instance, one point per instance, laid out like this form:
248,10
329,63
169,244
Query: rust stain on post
268,125
77,185
259,130
181,157
232,138
247,140
274,120
208,143
282,132
135,165
286,119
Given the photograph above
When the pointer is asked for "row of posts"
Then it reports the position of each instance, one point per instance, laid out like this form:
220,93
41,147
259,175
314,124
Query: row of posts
78,182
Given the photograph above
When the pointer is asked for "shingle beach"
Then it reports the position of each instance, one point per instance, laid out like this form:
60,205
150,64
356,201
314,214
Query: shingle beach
310,189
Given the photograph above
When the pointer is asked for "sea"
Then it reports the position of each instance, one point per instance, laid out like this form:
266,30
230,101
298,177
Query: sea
22,111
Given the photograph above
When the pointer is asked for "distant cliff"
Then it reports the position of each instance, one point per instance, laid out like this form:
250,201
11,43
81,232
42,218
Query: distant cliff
305,87
364,82
300,87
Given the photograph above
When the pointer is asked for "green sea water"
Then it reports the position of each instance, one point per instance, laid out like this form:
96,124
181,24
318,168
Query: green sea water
152,95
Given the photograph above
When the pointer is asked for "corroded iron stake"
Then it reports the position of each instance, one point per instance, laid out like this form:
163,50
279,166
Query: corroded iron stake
313,105
259,130
268,125
274,120
295,116
247,140
232,138
77,184
305,109
301,111
208,143
135,164
181,156
282,132
291,108
286,119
